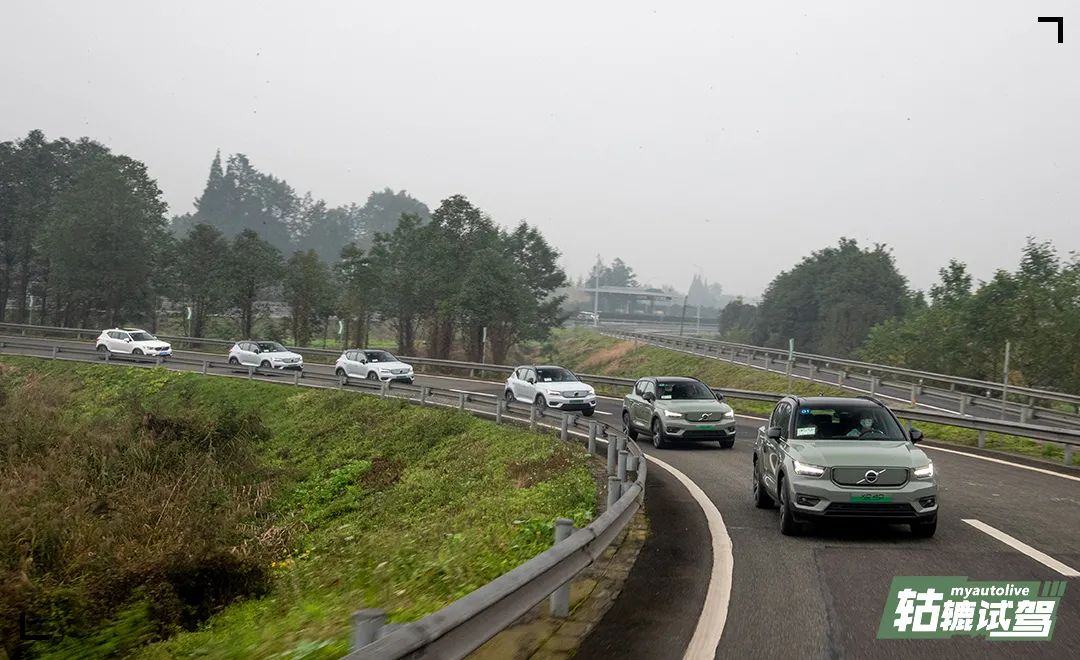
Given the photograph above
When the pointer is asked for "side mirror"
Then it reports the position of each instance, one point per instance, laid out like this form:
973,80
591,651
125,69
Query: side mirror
531,381
649,396
916,435
719,396
773,433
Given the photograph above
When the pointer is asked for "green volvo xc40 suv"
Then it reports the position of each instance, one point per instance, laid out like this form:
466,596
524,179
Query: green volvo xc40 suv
822,458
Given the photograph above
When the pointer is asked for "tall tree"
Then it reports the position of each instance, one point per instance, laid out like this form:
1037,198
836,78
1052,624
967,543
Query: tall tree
202,269
382,211
254,266
358,283
402,296
309,292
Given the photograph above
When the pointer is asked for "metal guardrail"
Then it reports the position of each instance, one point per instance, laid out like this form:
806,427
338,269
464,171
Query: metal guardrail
466,624
842,369
993,386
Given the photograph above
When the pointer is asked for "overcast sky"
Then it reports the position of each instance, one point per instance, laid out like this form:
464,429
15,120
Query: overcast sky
722,138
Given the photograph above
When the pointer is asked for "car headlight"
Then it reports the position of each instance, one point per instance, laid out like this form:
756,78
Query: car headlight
729,416
807,470
554,393
669,413
924,472
384,371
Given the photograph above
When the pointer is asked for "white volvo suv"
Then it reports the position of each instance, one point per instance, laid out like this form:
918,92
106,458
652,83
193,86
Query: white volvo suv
265,355
549,386
372,365
131,341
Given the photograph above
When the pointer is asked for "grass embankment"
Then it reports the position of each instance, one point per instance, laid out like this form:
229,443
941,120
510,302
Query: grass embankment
152,513
590,352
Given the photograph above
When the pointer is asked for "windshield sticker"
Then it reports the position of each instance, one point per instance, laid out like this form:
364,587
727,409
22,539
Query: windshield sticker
804,411
805,430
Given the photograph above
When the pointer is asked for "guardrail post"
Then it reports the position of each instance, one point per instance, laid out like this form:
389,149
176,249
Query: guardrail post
499,403
564,428
384,389
622,465
1068,454
108,354
296,378
423,395
365,627
251,371
841,376
612,456
54,352
560,598
205,366
614,490
873,385
768,362
461,401
914,393
813,368
631,463
750,358
963,403
982,439
592,438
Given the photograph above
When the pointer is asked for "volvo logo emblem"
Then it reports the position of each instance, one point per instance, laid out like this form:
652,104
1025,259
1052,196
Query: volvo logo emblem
871,476
705,415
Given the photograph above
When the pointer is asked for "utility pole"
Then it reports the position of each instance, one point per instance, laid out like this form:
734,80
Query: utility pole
483,346
790,361
1005,382
683,317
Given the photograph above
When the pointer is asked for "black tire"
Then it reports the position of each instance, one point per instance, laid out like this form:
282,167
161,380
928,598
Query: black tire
924,530
508,395
264,365
761,498
343,377
234,362
788,526
136,351
541,403
628,428
588,412
727,444
659,440
371,375
104,350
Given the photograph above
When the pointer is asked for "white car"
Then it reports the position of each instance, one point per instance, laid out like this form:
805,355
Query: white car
132,341
372,365
549,386
265,355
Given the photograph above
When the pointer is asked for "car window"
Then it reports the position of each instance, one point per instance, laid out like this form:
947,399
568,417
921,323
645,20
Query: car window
522,373
122,335
555,375
143,336
270,347
684,390
379,356
529,373
852,422
782,417
114,334
650,388
639,387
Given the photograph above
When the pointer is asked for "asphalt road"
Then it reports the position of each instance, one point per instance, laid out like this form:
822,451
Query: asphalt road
820,595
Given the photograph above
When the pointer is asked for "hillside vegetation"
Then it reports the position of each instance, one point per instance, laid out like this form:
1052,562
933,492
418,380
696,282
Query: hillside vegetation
151,513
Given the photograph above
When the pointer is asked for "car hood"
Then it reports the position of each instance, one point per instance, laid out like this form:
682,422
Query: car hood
565,387
858,453
389,365
279,355
693,405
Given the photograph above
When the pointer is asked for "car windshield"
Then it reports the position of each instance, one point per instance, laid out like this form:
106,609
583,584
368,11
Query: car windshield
379,356
142,336
271,347
679,390
846,423
555,375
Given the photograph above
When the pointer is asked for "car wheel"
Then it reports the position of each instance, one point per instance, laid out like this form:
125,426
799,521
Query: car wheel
924,530
628,428
788,526
137,351
343,377
234,362
103,349
727,444
588,412
761,498
658,439
541,403
371,375
264,365
509,396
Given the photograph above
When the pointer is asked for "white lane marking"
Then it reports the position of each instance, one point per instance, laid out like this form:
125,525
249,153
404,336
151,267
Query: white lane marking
601,412
714,611
1003,462
1037,555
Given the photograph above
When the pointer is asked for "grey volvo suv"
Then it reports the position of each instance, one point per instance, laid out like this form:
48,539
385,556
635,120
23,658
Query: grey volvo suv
843,458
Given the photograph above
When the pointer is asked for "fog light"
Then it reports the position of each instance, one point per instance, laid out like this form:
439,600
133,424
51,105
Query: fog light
928,502
807,500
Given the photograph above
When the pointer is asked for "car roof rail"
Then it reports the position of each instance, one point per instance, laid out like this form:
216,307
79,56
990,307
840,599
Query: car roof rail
872,398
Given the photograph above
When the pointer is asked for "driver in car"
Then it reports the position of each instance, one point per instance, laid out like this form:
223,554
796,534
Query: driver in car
866,425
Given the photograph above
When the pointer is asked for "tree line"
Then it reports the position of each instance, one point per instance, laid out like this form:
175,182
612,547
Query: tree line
84,231
851,301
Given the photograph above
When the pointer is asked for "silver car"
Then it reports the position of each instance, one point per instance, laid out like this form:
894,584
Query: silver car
822,458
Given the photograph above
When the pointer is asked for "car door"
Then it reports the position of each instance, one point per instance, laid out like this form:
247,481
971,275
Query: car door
112,340
124,342
645,407
634,399
514,381
249,353
773,450
348,363
528,389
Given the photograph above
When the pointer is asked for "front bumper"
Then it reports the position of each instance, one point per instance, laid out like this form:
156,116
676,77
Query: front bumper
560,403
683,430
822,499
288,366
405,377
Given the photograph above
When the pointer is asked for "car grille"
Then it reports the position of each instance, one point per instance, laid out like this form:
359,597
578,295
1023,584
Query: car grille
290,360
574,395
400,371
856,476
711,417
160,348
855,509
